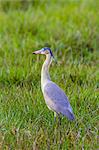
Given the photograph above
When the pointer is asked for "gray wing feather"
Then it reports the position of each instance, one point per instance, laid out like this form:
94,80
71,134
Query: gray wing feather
57,100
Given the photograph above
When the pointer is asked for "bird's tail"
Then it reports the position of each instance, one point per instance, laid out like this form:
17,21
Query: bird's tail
68,114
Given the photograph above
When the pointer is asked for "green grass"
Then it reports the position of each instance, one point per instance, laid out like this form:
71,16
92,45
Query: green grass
71,28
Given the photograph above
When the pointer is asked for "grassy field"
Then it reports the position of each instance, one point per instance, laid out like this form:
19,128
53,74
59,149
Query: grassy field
71,29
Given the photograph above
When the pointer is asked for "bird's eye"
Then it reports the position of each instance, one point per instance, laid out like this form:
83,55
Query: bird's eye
47,52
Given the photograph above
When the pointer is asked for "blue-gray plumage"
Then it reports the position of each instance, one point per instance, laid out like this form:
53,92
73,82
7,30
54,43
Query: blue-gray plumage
54,96
57,100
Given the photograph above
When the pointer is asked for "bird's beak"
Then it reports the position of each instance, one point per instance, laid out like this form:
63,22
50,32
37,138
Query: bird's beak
37,52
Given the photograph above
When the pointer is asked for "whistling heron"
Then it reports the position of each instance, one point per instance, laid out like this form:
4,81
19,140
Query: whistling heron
54,96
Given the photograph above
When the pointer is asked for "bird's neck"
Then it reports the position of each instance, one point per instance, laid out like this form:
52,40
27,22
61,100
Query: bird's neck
45,77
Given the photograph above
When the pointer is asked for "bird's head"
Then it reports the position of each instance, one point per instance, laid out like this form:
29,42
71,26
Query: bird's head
44,51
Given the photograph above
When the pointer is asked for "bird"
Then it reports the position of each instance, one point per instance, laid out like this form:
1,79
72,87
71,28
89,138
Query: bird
55,98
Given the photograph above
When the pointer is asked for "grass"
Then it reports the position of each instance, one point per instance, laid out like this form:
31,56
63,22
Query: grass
71,28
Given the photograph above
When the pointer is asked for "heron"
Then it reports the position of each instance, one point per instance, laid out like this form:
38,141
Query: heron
55,98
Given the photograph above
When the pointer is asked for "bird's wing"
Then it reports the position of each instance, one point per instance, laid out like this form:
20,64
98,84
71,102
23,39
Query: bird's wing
57,100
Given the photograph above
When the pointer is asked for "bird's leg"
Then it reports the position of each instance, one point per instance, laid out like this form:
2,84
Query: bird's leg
55,114
59,125
54,127
59,120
